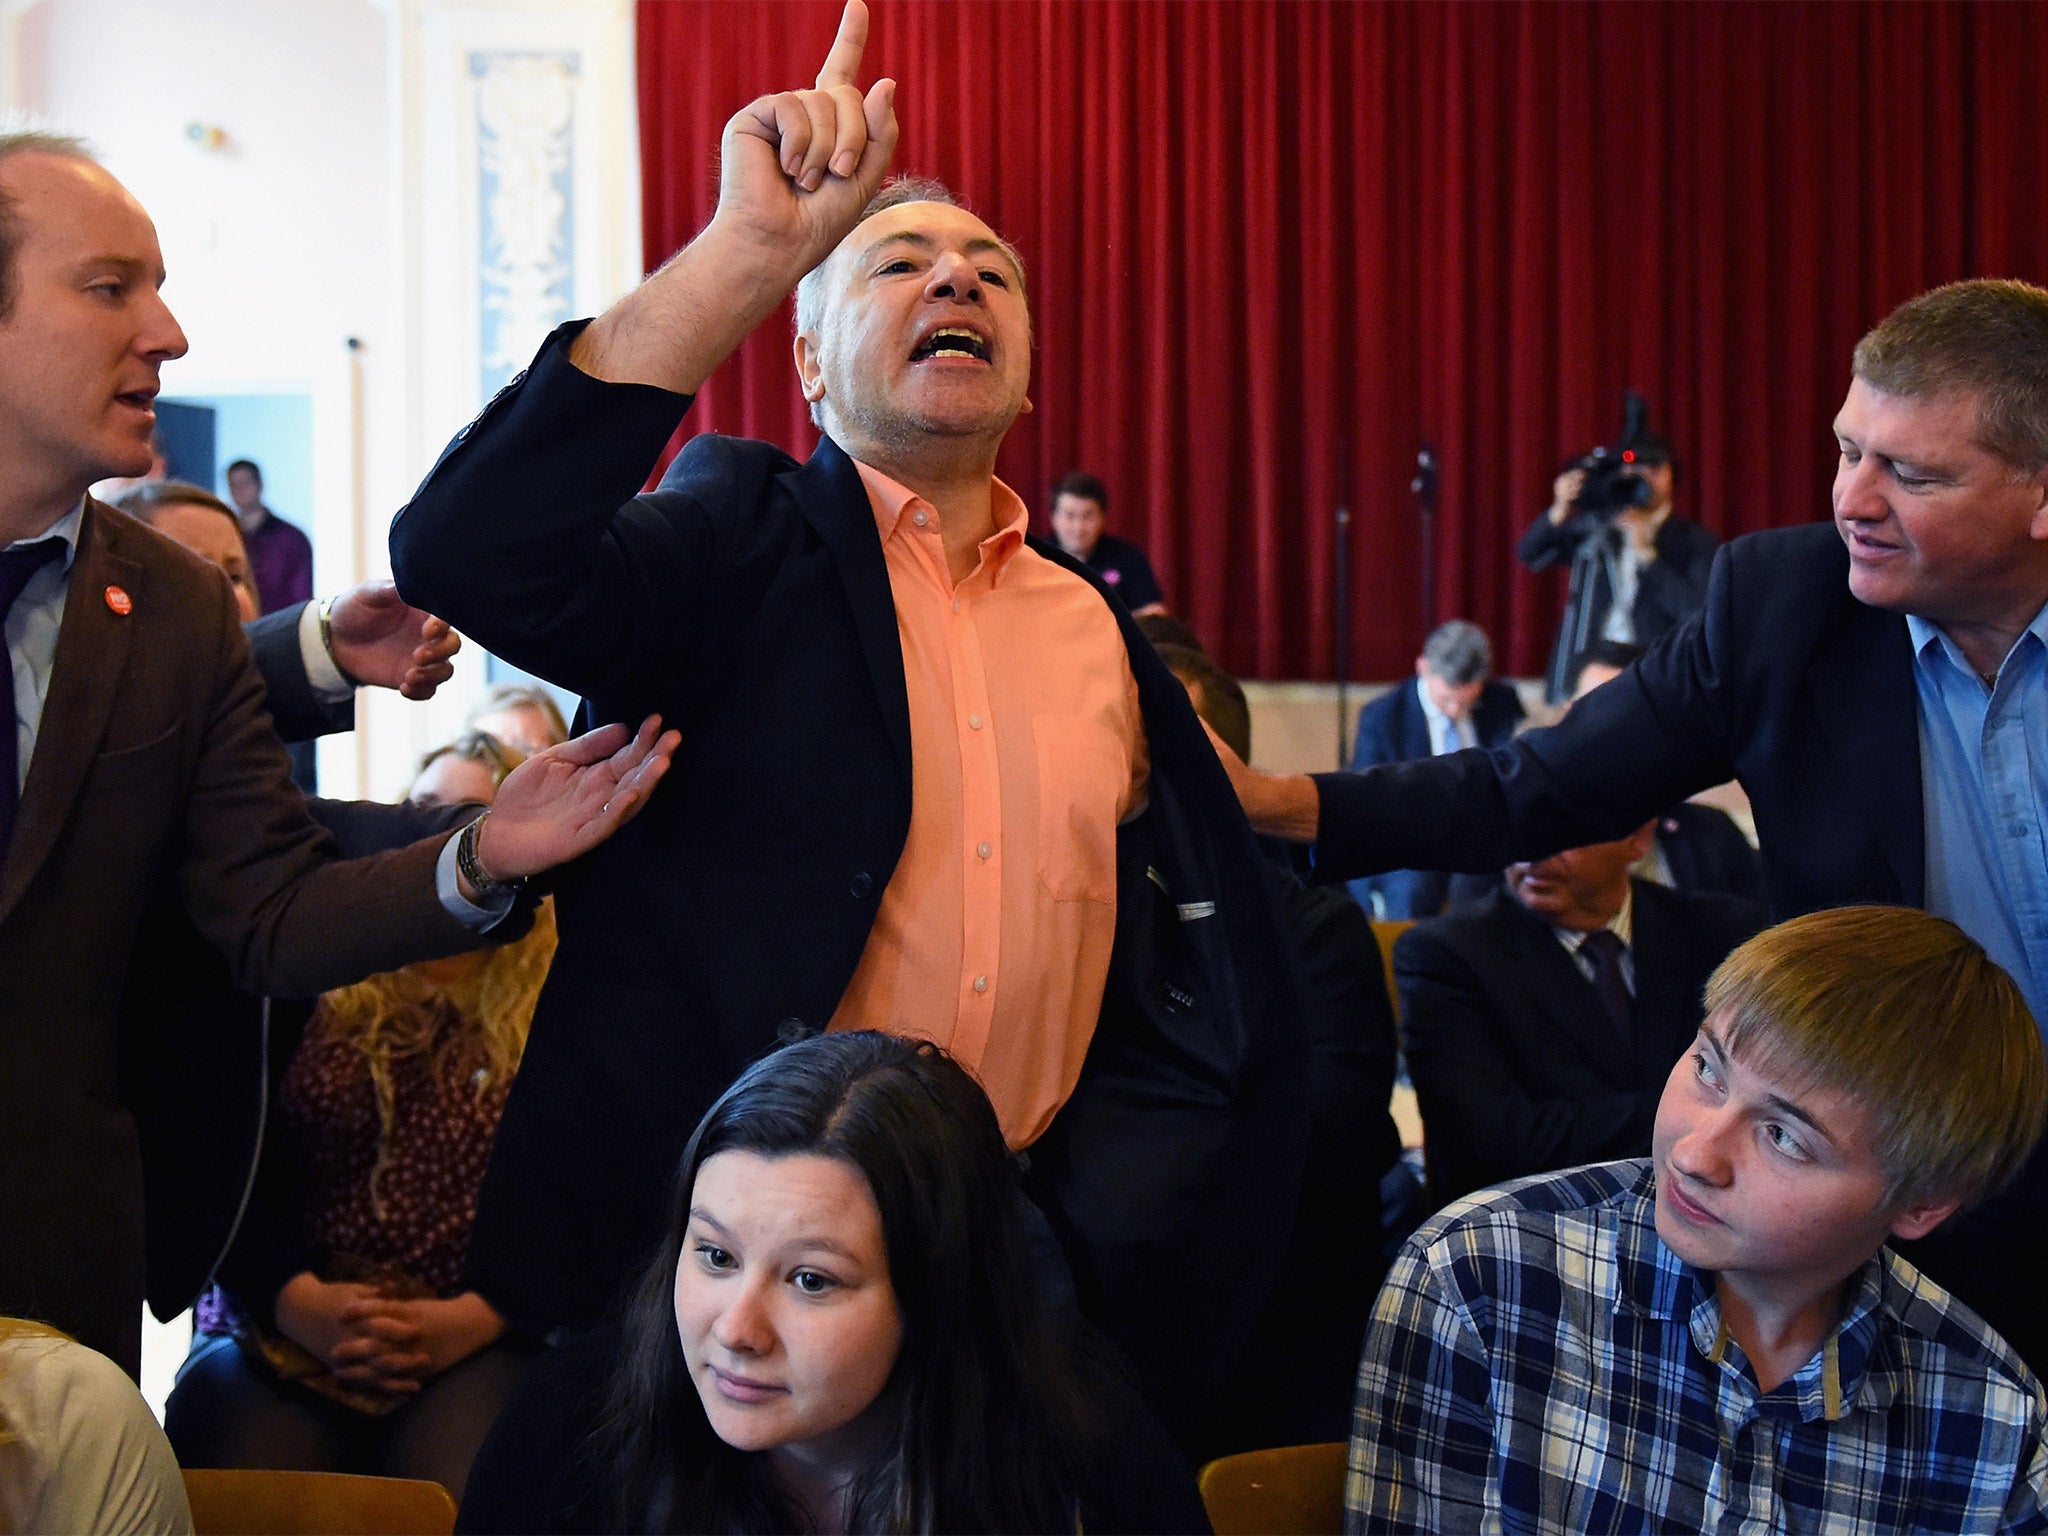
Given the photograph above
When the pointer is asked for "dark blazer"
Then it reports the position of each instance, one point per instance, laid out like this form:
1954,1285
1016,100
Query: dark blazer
156,775
1787,683
747,601
1669,591
1518,1068
1393,728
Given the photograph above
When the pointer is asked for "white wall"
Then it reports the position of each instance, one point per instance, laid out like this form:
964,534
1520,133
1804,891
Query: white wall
341,204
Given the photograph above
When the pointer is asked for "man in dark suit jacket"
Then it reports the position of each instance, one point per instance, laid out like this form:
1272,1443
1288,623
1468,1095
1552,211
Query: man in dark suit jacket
1454,702
1803,678
756,596
1525,1056
140,765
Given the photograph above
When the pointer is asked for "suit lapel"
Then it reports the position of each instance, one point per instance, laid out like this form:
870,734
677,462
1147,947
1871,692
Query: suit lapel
1415,742
1556,985
1865,708
833,500
92,649
1666,1019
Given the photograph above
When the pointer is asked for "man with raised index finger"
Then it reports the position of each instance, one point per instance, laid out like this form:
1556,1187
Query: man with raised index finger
933,780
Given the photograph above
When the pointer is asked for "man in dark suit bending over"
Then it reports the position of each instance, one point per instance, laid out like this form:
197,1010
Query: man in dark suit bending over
934,780
1879,687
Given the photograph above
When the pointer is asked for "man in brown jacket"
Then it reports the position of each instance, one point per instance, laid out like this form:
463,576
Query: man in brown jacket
138,762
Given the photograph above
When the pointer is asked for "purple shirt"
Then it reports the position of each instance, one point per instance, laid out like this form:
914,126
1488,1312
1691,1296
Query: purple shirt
282,558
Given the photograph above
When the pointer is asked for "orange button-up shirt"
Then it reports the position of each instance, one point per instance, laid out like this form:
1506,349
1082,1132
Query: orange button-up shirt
1027,748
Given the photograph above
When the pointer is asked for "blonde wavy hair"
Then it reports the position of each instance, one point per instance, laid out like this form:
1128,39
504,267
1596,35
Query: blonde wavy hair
475,1024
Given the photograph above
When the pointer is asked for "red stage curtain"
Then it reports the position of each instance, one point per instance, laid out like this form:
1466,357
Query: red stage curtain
1275,246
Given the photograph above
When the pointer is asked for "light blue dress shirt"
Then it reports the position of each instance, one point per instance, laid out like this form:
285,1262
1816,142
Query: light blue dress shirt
1984,798
31,633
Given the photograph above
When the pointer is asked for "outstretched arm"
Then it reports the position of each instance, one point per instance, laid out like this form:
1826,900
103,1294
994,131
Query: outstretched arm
795,171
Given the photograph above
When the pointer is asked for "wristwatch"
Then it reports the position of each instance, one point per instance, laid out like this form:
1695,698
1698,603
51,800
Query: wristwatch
487,886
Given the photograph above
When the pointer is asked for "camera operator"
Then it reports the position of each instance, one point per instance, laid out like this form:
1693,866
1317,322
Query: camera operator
1636,571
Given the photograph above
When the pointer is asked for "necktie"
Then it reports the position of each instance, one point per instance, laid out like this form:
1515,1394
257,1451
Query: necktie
16,567
1605,949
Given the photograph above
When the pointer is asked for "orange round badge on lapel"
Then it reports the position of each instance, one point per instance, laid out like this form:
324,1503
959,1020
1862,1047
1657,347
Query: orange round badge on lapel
119,600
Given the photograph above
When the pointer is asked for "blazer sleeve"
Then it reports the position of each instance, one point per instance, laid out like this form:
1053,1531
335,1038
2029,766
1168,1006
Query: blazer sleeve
259,878
1484,1124
1657,734
295,710
530,534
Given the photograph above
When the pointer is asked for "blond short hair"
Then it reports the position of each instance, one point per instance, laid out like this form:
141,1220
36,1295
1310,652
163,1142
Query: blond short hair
1987,337
1904,1013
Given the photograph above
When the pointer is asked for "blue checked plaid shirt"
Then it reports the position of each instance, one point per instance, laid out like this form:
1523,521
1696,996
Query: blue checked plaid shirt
1540,1361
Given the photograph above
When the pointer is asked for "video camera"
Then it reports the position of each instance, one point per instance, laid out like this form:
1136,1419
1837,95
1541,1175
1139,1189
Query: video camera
1613,483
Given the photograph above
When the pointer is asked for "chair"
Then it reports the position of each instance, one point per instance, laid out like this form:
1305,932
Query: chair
1293,1490
1385,930
248,1502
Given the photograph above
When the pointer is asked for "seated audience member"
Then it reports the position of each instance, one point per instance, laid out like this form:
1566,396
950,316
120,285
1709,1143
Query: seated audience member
1697,847
1080,503
1719,1334
522,716
342,1339
79,1449
1165,629
848,1327
1298,1387
1540,1024
1455,702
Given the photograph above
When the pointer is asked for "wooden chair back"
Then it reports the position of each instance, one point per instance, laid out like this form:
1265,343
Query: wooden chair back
1386,930
1293,1490
248,1502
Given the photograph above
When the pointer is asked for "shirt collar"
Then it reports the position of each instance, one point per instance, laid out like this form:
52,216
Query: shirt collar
1927,636
1622,925
1847,1371
68,527
891,500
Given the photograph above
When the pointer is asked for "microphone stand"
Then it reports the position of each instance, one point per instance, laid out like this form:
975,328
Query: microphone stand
1340,663
1423,487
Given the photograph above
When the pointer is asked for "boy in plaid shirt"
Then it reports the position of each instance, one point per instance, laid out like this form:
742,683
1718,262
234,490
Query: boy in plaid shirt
1717,1338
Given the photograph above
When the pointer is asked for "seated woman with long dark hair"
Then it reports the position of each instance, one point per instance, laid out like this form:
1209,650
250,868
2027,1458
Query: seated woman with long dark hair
845,1330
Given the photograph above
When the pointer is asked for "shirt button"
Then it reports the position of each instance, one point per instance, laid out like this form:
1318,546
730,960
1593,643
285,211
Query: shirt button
862,884
956,605
983,849
974,722
981,983
919,518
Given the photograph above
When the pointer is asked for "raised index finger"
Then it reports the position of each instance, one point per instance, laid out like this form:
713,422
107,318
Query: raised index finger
842,64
